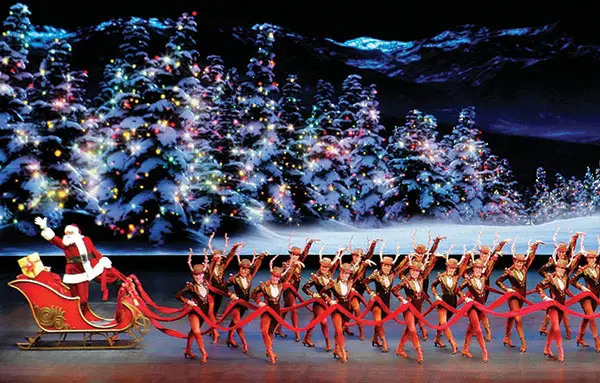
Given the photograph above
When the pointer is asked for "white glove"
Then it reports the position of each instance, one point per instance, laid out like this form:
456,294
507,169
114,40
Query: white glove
332,302
510,290
316,295
41,222
467,299
191,302
404,301
583,288
261,304
233,297
547,299
438,298
372,295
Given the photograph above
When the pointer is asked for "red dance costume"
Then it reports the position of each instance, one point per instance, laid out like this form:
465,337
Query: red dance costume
477,288
359,264
271,291
197,293
242,286
562,251
339,292
558,285
591,275
384,282
413,288
517,275
293,277
319,280
449,284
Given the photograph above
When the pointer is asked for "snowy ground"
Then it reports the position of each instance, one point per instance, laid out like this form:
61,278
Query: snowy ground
334,235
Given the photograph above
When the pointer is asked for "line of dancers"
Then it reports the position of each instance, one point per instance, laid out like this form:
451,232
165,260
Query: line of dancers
466,279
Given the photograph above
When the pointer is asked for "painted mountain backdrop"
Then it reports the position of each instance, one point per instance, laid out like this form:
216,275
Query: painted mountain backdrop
536,82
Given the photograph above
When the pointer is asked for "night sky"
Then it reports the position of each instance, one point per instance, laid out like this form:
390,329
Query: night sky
334,19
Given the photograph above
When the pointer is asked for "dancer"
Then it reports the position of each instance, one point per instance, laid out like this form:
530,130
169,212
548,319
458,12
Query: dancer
476,283
216,270
420,252
271,291
384,282
489,258
517,275
561,251
319,280
449,283
197,294
558,285
294,276
413,288
591,275
242,285
359,264
340,290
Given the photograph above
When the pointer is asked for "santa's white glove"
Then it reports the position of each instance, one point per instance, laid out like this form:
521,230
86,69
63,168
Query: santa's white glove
41,222
261,304
547,299
468,300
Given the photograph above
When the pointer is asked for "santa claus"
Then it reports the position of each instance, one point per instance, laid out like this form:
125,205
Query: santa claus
84,262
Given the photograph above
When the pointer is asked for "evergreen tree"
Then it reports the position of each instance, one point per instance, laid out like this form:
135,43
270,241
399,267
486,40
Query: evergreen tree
502,202
326,159
370,179
578,198
540,207
591,184
419,178
464,161
292,131
58,112
259,131
561,207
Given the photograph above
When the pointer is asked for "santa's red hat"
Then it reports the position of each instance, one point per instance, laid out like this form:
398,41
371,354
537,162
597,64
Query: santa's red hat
72,227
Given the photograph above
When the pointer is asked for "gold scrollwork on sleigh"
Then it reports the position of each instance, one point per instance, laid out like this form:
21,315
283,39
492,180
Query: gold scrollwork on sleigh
51,317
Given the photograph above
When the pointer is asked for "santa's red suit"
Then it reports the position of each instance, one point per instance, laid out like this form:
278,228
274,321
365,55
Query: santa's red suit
84,262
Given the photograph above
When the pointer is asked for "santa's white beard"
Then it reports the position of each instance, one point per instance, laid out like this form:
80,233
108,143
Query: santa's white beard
69,239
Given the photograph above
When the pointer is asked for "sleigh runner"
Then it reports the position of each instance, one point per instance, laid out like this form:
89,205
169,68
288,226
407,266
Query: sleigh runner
59,315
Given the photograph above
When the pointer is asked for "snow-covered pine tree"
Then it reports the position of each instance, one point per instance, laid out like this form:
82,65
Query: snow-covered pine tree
326,159
58,112
578,198
420,181
18,164
223,197
560,198
464,161
540,204
502,203
291,131
591,185
347,121
368,158
259,131
144,189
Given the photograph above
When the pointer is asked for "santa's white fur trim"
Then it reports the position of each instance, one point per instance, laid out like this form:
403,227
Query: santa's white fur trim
48,234
90,272
72,228
81,246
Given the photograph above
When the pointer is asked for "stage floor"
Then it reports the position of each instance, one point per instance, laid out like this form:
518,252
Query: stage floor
161,356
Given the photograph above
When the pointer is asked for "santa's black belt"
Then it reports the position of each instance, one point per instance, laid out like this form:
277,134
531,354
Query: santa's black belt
74,260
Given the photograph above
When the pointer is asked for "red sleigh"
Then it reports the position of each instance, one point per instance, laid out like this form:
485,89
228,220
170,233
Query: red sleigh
58,313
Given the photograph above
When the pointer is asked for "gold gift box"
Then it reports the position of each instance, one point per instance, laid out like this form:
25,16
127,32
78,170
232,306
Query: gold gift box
31,265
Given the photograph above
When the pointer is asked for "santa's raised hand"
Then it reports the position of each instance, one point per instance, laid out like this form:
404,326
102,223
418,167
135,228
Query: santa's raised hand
41,222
